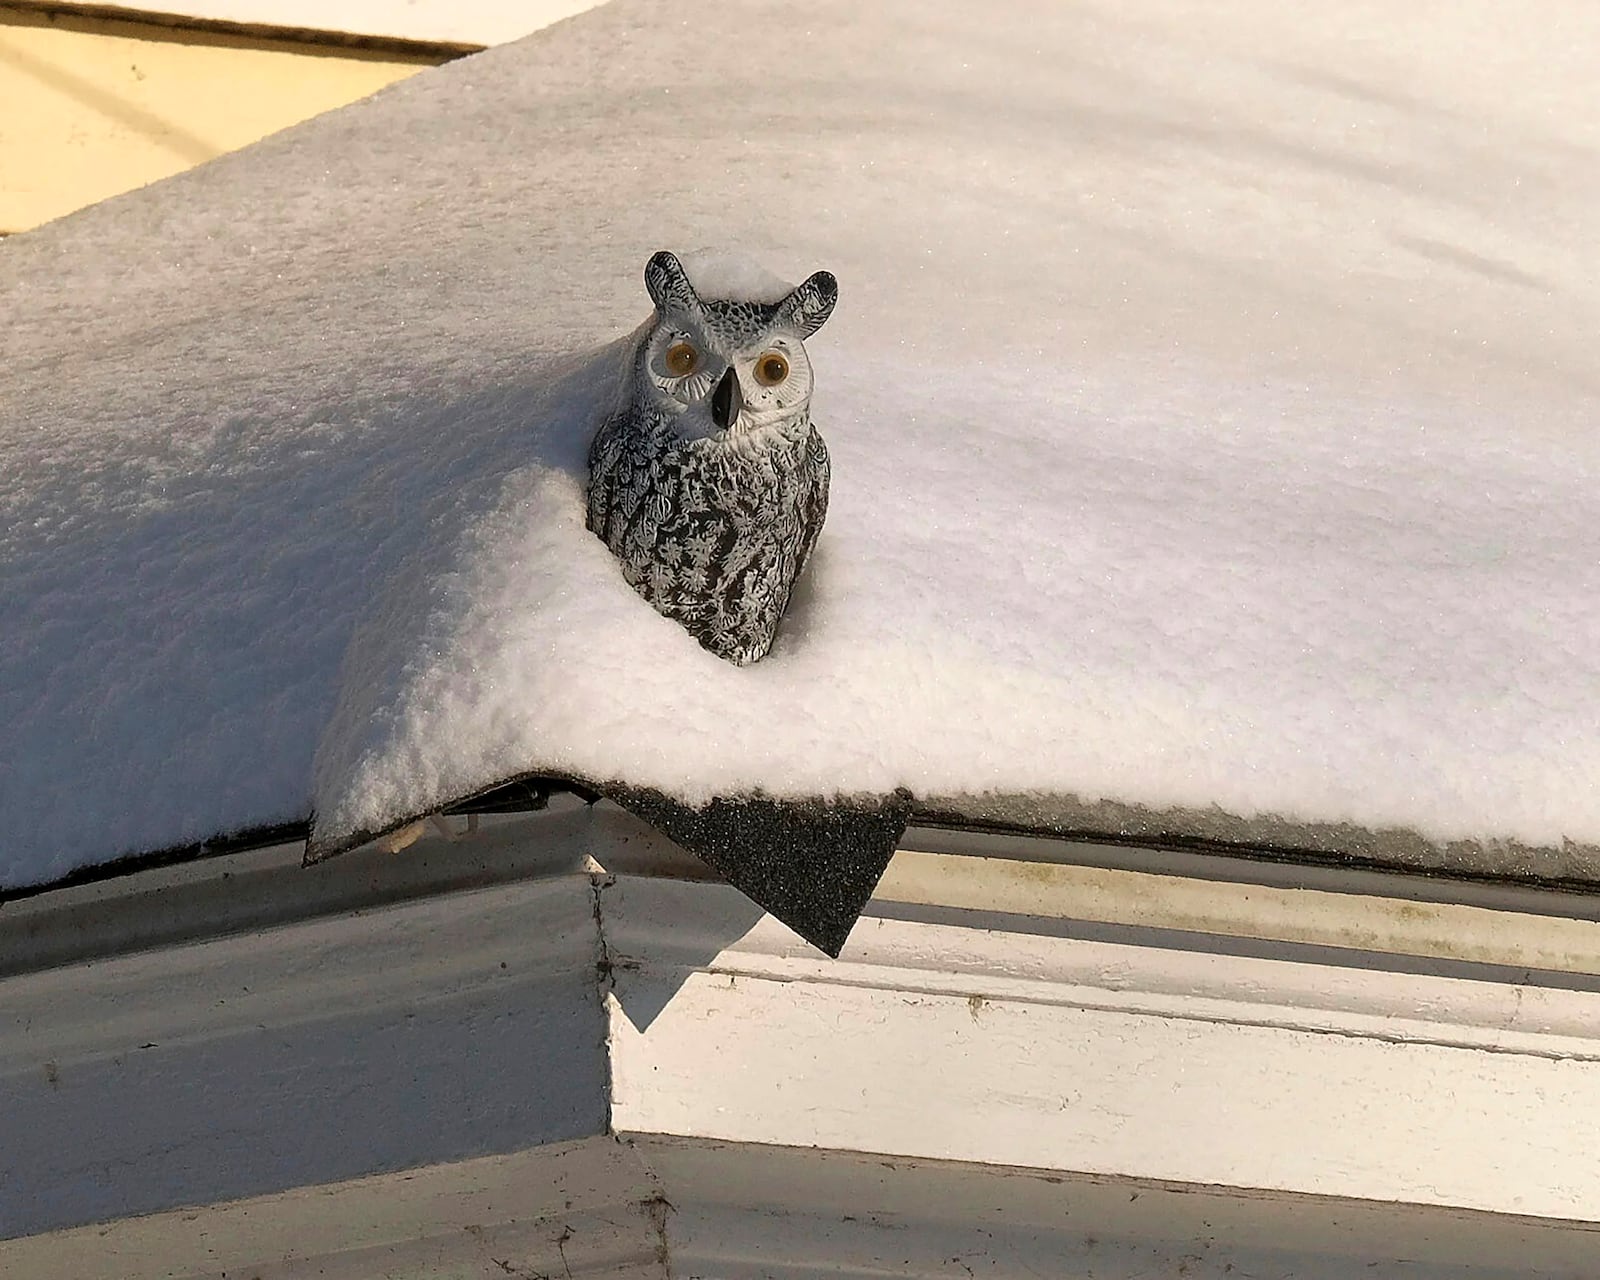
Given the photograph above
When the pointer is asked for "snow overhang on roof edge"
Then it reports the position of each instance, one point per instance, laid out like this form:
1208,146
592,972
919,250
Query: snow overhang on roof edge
811,863
1311,532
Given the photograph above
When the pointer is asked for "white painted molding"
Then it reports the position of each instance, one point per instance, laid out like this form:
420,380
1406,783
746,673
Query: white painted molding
745,1213
1400,925
1012,1049
435,1030
437,1016
262,888
672,1208
585,1208
685,1208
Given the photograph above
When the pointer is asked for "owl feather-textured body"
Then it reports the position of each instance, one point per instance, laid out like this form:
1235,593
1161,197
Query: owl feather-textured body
710,485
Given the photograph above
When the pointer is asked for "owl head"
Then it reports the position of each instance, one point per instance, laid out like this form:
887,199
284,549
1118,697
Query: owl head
728,366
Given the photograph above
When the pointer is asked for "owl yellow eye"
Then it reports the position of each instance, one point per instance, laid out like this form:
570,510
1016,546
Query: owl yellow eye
771,369
682,359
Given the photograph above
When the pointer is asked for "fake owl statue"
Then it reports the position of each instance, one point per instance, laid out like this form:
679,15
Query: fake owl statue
710,484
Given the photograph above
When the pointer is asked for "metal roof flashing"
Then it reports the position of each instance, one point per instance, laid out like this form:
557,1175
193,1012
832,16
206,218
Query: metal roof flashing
813,862
1064,867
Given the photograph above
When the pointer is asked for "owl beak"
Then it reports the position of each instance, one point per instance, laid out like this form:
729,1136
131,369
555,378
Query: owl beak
727,401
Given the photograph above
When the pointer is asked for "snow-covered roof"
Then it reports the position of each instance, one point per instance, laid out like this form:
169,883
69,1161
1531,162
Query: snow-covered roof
1211,398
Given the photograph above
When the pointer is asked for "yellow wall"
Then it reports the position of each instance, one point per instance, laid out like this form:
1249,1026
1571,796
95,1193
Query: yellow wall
90,107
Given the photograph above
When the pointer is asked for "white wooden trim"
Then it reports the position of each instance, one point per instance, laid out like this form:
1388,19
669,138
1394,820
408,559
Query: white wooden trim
979,1046
667,1207
998,882
262,888
332,1036
436,1030
1094,1091
675,929
750,1213
1402,926
586,1208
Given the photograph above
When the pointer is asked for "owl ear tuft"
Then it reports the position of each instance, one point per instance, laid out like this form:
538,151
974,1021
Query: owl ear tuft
669,285
811,303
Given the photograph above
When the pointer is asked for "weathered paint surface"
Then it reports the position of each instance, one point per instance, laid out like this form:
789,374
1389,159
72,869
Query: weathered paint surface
685,1209
585,1061
313,1052
1442,930
954,1043
589,1207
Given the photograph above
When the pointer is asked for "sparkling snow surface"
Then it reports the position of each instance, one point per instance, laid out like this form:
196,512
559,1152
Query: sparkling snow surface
1213,399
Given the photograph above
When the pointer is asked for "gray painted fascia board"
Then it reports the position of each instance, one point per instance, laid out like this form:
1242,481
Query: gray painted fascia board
313,1051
